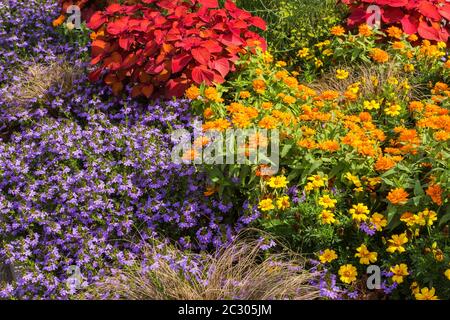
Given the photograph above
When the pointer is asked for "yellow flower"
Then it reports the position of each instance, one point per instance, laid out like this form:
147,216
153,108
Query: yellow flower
328,256
396,243
447,273
327,217
393,110
359,212
303,53
379,221
365,256
371,105
399,271
347,273
409,67
283,203
278,182
266,205
342,74
318,63
426,294
326,202
317,181
212,94
429,216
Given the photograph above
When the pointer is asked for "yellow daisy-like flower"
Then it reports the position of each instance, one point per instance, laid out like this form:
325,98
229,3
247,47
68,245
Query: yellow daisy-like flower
278,182
359,212
379,221
447,273
303,53
327,202
347,273
396,243
399,271
371,105
393,110
342,74
283,203
327,217
266,205
328,256
365,256
427,216
426,294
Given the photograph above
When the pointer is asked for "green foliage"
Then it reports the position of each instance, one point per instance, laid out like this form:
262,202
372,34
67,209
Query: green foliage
295,24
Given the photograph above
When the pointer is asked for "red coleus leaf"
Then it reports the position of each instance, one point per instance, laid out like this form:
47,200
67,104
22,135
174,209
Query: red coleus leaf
176,88
118,26
428,32
258,22
113,62
99,47
180,61
392,3
222,66
113,8
393,15
202,74
97,20
444,10
429,10
410,24
209,3
147,90
202,55
125,43
95,75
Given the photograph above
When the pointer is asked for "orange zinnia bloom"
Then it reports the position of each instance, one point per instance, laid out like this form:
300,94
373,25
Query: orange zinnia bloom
398,196
379,55
384,164
435,193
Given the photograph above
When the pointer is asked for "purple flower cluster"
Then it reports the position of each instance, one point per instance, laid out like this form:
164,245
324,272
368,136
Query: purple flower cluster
91,195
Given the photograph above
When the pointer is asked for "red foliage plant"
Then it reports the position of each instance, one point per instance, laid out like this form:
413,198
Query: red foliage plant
87,7
429,18
161,47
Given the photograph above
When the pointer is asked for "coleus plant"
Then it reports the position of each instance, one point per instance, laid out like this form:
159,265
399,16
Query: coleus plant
87,7
161,47
428,18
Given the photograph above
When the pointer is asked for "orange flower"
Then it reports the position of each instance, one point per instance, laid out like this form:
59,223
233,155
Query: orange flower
329,145
416,106
384,164
329,95
398,45
379,55
395,32
208,113
442,135
398,196
267,105
306,143
365,30
210,191
289,100
268,122
244,94
435,193
193,92
59,21
259,86
337,31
